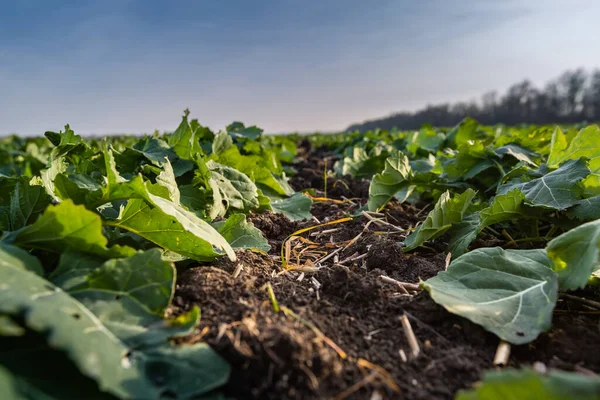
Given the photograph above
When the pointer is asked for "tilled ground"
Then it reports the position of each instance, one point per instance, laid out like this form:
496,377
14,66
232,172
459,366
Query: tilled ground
338,333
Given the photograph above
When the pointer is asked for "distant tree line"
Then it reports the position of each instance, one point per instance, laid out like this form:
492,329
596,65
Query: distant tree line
572,97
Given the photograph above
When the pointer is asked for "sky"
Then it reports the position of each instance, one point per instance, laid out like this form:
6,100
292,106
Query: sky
133,66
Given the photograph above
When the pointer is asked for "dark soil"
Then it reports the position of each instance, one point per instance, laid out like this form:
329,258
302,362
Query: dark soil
277,355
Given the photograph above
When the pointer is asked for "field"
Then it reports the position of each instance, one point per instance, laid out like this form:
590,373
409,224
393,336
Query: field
432,264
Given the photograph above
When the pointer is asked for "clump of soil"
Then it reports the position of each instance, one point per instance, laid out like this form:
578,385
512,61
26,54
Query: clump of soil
338,328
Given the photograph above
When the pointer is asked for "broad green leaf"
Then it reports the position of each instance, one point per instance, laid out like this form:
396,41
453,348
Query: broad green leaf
385,185
592,182
463,234
447,212
529,385
144,276
221,142
427,139
463,132
194,199
194,238
155,151
57,166
241,234
575,255
584,144
504,207
74,329
559,189
558,145
235,187
26,204
73,269
510,293
119,369
518,152
192,224
362,164
18,258
184,140
218,207
167,179
63,138
237,130
256,168
131,321
296,207
67,226
586,209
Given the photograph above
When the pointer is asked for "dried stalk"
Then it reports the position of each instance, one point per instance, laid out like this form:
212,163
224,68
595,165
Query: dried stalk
404,285
502,354
410,336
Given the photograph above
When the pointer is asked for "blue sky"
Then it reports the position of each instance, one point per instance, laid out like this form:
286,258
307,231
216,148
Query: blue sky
133,65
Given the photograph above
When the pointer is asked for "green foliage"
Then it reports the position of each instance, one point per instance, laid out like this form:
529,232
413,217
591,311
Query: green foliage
559,189
241,234
447,212
296,207
395,177
106,217
576,254
529,385
508,292
92,228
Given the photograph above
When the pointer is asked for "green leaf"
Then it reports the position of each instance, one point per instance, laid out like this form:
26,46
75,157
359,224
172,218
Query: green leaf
167,179
57,166
447,212
528,385
63,138
155,151
558,145
592,182
132,322
463,234
26,204
510,293
184,140
575,255
119,369
237,130
73,269
67,226
241,234
584,144
504,207
221,142
235,187
362,164
296,207
144,276
18,258
427,139
559,189
463,132
179,231
586,209
518,152
385,185
72,328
